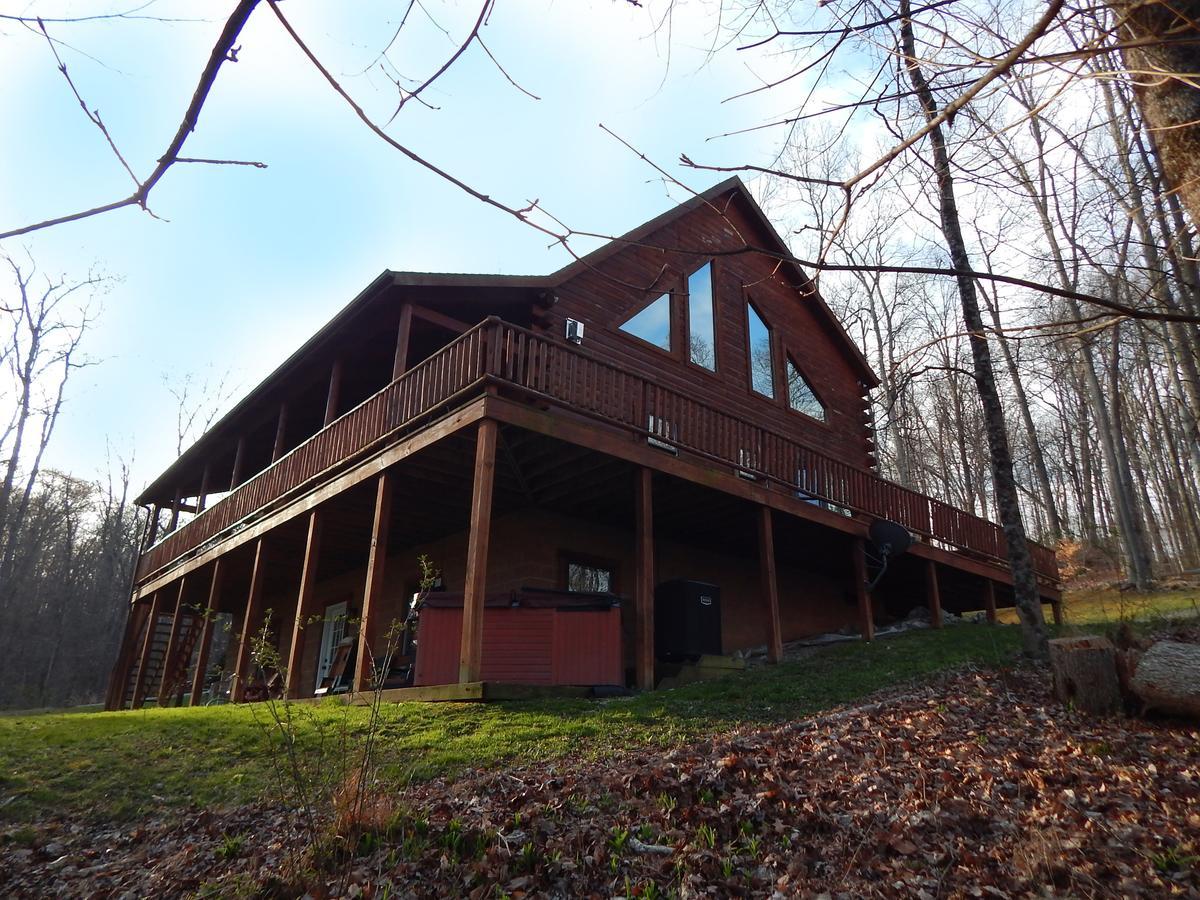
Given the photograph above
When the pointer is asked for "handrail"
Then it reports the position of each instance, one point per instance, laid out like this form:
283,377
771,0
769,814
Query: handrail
577,379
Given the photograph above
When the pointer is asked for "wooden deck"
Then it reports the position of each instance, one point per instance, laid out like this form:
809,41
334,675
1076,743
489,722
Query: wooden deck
496,356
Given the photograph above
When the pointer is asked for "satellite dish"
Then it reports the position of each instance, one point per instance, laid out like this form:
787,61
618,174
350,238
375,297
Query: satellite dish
890,538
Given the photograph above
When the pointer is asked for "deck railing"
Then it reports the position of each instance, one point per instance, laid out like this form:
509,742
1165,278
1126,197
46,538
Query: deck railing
574,378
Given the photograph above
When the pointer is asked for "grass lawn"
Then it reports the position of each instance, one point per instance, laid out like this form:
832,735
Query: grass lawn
129,764
1087,608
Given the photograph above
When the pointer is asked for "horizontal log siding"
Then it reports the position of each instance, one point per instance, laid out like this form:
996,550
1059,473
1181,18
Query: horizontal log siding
607,294
551,370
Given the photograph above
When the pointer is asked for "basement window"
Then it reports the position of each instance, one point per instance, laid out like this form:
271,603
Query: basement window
762,362
702,344
652,323
589,577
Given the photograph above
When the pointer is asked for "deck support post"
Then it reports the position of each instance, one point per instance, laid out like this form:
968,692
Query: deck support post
373,590
139,687
206,633
932,594
643,503
118,681
308,578
768,583
989,599
239,463
1057,610
175,504
400,363
205,482
168,661
470,657
335,391
866,616
152,535
280,433
241,669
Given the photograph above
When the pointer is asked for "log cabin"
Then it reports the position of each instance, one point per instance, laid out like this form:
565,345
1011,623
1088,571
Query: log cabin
669,437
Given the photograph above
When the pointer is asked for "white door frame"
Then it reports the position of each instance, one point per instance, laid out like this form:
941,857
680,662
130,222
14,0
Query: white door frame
332,631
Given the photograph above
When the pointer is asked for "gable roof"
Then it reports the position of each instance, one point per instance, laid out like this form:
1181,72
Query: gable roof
774,245
515,287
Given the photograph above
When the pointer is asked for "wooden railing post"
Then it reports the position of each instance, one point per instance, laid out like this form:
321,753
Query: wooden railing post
205,481
280,433
866,615
643,510
206,632
239,463
470,661
373,590
243,663
175,504
768,584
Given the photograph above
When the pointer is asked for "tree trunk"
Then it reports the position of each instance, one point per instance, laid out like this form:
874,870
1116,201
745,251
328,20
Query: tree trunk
1085,674
1025,589
1164,77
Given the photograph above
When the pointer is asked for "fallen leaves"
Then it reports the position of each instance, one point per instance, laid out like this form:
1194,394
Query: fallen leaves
976,785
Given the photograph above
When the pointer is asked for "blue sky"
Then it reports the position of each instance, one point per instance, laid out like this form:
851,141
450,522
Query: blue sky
250,262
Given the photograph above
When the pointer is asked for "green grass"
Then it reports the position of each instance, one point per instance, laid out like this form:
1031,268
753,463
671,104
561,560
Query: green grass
124,765
1087,608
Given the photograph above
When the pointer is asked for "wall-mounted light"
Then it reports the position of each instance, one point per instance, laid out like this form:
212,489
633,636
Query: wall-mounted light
574,331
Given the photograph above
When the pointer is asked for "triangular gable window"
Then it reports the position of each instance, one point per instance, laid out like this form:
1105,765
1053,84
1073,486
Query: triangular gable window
801,397
652,323
762,364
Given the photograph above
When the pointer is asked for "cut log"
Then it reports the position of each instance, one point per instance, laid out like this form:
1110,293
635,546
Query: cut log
1085,674
1167,679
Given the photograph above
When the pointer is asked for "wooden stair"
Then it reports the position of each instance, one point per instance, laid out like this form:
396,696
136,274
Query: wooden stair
175,671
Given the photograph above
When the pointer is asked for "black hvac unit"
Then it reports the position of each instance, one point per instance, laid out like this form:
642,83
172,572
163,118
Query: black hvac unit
687,620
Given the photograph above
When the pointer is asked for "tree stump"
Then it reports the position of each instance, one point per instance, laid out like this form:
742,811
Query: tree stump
1167,678
1085,673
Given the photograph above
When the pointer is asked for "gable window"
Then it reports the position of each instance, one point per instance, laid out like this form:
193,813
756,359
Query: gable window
702,345
652,323
801,397
762,363
589,576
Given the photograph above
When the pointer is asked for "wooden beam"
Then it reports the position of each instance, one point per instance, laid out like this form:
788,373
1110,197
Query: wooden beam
280,432
643,510
373,589
989,599
437,318
205,482
118,680
175,504
155,512
139,687
403,332
239,463
241,669
1056,608
304,597
172,644
335,391
206,633
933,594
866,616
768,583
470,659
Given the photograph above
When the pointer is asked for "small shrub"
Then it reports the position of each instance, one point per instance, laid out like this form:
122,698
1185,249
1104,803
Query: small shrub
231,846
